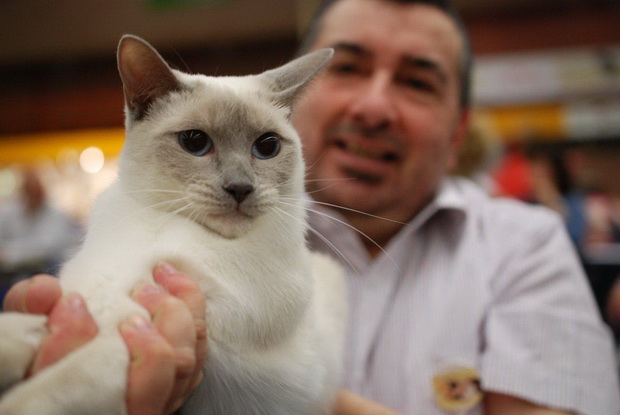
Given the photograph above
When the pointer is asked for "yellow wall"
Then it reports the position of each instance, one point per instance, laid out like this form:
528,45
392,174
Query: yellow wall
31,148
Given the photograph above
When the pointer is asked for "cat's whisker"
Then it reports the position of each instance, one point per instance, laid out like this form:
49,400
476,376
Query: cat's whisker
321,189
196,211
153,206
192,215
306,172
286,182
155,191
166,202
306,181
350,227
311,166
341,179
333,247
281,220
178,55
171,214
347,209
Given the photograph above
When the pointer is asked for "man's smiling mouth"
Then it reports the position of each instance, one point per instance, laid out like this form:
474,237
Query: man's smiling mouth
367,152
364,177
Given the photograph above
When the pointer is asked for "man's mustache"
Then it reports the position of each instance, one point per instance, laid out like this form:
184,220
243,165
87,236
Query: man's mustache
353,128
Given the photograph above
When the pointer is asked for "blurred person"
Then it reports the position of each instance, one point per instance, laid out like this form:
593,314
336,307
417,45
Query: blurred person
578,181
553,186
512,174
597,169
476,156
34,236
450,290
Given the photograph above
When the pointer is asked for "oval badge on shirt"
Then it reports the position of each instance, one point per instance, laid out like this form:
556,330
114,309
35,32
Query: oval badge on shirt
457,387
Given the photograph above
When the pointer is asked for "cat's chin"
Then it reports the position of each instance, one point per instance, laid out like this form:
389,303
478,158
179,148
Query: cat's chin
228,226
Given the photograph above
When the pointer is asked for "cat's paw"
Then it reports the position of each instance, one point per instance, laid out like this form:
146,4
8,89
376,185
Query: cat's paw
90,380
20,336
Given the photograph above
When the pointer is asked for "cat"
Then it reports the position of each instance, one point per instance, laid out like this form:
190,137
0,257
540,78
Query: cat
211,180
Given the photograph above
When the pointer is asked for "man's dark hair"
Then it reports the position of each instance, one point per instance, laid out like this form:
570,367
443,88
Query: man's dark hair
446,6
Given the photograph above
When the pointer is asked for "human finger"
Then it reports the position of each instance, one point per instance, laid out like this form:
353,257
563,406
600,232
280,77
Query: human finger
70,326
152,367
174,322
188,291
35,295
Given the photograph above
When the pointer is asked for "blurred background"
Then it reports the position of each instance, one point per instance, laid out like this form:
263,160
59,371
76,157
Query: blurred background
546,124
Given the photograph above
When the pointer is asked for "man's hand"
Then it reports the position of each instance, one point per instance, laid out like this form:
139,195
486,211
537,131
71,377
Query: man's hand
500,404
167,354
348,403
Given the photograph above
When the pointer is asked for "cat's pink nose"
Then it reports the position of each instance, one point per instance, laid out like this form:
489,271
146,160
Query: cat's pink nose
239,191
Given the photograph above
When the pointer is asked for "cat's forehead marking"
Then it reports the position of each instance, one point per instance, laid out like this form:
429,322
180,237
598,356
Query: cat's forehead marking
233,103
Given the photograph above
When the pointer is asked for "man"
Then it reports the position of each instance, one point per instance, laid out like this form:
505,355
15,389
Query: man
469,284
458,303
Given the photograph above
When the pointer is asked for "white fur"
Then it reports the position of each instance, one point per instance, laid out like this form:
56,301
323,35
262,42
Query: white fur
275,311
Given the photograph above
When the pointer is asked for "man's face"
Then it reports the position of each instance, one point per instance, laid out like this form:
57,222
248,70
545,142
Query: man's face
381,125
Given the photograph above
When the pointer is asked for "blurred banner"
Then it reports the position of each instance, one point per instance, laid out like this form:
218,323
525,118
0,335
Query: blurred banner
552,95
544,77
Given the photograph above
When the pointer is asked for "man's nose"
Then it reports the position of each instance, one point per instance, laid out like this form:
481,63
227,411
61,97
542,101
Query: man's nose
374,105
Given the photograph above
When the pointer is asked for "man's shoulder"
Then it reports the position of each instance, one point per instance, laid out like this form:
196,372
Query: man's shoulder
503,213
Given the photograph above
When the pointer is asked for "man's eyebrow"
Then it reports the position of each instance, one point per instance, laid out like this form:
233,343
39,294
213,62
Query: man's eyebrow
426,64
415,62
353,48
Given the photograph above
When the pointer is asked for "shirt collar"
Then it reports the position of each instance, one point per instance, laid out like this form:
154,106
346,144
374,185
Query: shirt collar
449,199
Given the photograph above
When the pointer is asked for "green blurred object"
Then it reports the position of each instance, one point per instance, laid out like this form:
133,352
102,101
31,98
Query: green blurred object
184,3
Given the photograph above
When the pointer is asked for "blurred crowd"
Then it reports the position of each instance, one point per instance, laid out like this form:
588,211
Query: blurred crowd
580,181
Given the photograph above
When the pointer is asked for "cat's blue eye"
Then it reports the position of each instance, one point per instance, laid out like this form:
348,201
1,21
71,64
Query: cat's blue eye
266,146
195,142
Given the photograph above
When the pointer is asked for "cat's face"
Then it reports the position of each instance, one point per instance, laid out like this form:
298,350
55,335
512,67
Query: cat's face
219,151
215,156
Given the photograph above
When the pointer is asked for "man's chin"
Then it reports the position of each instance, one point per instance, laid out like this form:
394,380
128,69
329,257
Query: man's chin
353,197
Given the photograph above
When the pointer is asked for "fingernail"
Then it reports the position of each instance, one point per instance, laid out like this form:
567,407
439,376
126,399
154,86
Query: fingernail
15,302
150,289
75,302
72,304
166,268
146,290
138,322
68,311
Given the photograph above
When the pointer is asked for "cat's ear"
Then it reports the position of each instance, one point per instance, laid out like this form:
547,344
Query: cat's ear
145,75
288,80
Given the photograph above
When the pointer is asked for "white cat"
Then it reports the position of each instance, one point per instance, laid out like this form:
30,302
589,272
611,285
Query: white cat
211,180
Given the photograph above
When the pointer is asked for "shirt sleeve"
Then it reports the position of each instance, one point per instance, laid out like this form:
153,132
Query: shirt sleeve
544,338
